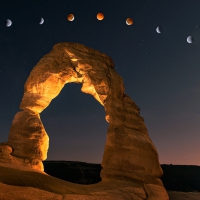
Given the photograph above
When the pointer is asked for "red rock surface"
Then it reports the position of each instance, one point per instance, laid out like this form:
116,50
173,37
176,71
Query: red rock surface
129,153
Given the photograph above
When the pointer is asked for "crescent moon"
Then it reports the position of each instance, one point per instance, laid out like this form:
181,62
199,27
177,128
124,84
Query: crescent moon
41,21
158,30
8,22
189,39
72,19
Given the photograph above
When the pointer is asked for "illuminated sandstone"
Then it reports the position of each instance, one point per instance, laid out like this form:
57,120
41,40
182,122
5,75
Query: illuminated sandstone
129,153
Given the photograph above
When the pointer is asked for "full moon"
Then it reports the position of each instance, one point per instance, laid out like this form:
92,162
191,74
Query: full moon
41,21
100,16
190,39
129,21
158,30
70,17
8,22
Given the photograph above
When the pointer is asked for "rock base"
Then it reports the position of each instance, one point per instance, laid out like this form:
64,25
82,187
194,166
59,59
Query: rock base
16,183
7,158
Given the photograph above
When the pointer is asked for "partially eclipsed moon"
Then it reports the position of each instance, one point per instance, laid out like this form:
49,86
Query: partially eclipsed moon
190,39
158,30
8,22
41,21
70,17
100,16
129,21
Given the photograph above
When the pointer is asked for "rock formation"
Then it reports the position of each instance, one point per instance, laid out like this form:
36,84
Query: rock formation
129,153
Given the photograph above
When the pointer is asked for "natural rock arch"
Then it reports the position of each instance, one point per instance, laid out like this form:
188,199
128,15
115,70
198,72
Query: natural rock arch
129,152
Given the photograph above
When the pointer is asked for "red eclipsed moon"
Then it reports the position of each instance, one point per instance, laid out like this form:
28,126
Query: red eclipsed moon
70,17
129,21
100,16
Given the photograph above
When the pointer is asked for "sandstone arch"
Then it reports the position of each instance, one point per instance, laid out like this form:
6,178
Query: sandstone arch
129,153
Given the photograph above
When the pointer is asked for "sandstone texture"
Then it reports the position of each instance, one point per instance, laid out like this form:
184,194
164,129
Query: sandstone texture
21,184
129,153
177,195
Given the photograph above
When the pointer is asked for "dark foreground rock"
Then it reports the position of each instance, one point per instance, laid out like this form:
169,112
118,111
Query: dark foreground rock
24,183
75,172
185,178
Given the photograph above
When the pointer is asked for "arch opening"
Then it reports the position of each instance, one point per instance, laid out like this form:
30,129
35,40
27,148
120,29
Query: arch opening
76,126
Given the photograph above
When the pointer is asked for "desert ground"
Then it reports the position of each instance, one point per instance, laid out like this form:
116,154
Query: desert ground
181,182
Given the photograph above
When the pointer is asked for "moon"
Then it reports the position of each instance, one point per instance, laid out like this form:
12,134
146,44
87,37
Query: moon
100,16
129,21
190,39
70,17
8,22
158,30
41,21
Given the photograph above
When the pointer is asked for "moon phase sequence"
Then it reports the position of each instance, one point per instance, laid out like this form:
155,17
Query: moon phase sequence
70,17
100,16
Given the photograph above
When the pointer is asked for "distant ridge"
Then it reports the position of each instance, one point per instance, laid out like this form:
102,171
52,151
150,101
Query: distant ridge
184,178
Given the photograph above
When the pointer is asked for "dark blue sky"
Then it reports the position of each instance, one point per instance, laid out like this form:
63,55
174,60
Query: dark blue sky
160,71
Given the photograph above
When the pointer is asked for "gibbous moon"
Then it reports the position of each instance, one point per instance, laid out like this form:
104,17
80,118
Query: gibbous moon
8,22
70,17
190,39
158,29
129,21
100,16
41,21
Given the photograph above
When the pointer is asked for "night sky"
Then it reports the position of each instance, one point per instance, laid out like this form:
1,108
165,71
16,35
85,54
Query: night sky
161,72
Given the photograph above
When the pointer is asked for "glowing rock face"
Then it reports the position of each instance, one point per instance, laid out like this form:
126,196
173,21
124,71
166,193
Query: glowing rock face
129,152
